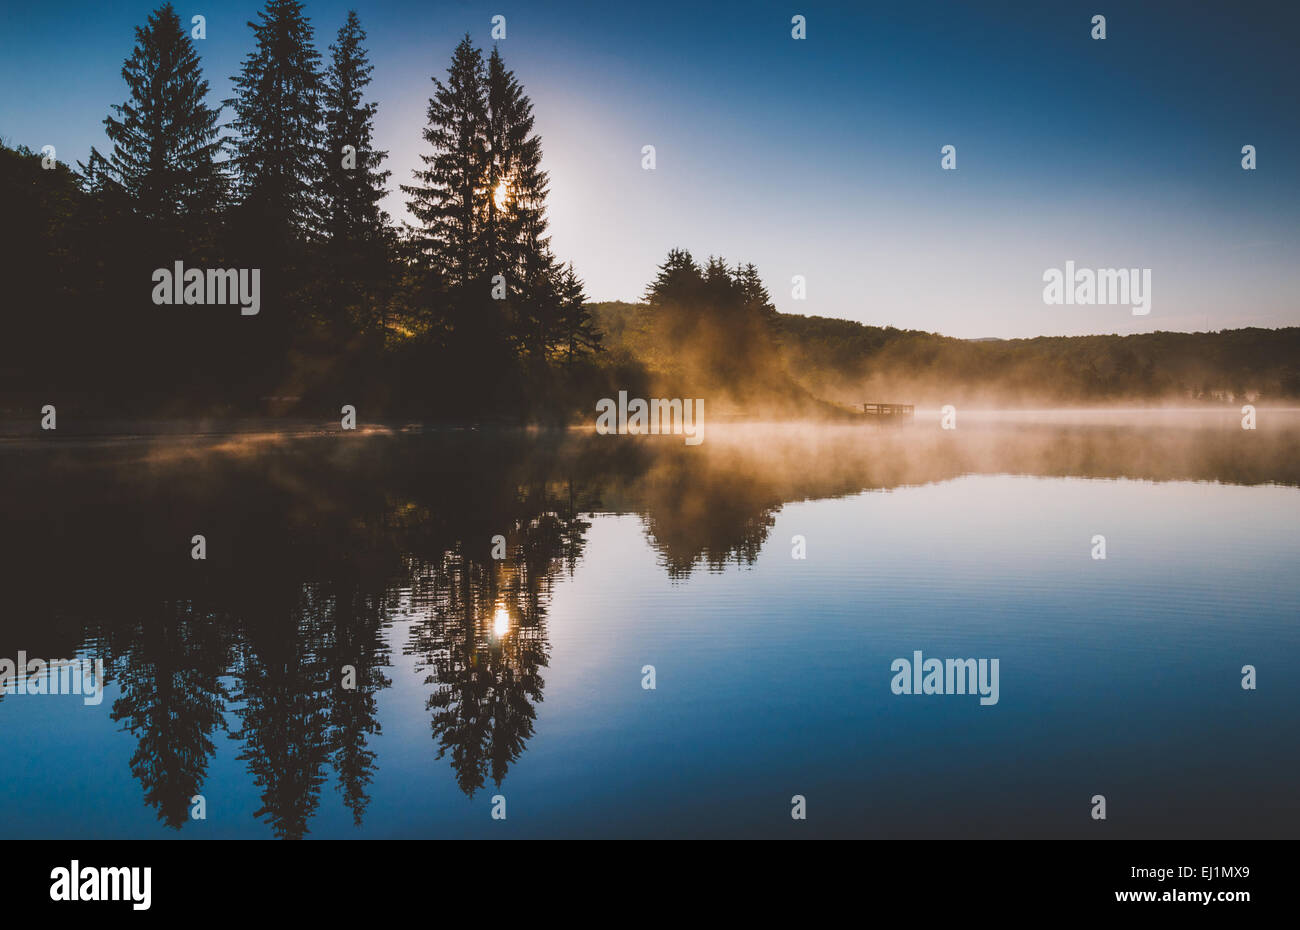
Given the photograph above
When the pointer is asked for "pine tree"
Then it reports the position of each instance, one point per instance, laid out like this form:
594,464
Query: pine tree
515,225
720,291
351,195
577,327
753,295
165,137
277,153
480,202
679,281
355,227
453,190
537,308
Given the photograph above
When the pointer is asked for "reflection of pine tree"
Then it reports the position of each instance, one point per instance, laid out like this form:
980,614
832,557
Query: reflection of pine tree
284,721
483,637
169,670
354,637
694,514
296,717
487,683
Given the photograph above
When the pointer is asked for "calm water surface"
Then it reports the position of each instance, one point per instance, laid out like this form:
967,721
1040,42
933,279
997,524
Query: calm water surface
522,676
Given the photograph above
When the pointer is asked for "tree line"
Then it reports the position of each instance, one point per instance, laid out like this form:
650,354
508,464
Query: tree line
710,326
466,310
463,312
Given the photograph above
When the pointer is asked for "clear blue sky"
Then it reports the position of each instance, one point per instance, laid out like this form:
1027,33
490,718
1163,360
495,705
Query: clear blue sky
821,157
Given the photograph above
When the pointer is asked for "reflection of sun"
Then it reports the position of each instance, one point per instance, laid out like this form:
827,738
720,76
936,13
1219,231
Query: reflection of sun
502,194
501,622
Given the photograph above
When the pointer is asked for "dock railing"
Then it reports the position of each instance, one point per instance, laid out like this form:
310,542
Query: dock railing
889,410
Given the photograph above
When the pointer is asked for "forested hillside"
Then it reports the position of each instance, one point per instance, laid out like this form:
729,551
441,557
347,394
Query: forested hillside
849,363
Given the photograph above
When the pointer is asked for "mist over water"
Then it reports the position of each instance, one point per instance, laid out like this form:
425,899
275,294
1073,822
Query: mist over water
522,675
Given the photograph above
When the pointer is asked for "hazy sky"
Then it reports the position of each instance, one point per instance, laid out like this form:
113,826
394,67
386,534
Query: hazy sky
821,157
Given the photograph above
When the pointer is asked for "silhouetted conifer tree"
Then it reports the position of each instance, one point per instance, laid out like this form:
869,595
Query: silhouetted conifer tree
452,191
753,295
351,195
679,281
578,331
354,224
277,152
537,308
720,291
514,235
173,701
165,137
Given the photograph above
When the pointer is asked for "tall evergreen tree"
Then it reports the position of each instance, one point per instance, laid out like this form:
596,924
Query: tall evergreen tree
354,183
577,328
481,203
356,277
515,225
452,192
165,137
277,153
537,308
720,291
753,295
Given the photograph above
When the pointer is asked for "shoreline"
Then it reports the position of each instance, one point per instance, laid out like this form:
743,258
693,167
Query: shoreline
21,431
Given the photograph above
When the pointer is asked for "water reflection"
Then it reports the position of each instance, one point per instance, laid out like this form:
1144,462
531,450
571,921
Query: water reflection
280,641
169,669
481,636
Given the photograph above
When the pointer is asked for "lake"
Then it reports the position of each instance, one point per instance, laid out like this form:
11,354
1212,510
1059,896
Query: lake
495,600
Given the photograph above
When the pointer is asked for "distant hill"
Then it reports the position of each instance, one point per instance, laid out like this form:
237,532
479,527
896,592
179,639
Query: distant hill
818,359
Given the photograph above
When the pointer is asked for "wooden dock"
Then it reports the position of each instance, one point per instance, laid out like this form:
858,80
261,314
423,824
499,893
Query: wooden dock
889,413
